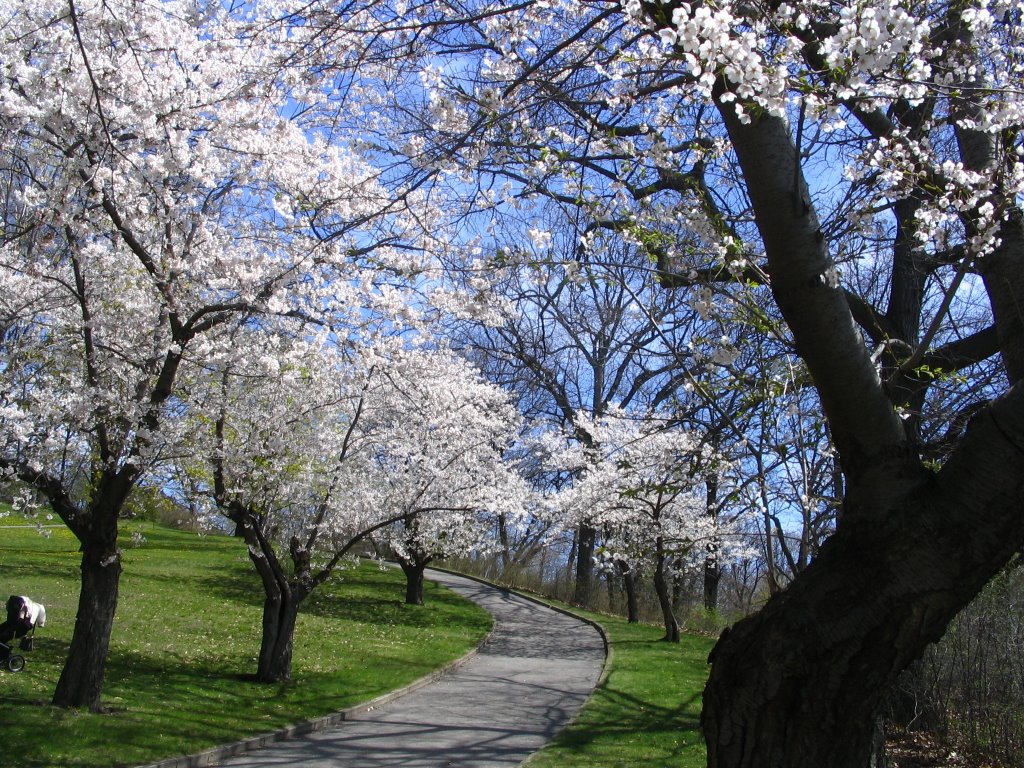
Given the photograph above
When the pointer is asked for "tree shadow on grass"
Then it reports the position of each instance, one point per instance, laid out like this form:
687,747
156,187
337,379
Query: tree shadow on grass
221,691
613,718
347,599
26,568
159,707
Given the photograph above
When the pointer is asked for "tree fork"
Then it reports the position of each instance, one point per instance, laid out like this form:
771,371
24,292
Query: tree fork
798,685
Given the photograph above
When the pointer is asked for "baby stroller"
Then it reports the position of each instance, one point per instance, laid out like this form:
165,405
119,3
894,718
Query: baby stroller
23,616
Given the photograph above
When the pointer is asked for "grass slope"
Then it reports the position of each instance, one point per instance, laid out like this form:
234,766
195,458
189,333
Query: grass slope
186,638
647,710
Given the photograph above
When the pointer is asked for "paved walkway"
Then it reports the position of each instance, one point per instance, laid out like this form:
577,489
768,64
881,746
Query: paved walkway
527,681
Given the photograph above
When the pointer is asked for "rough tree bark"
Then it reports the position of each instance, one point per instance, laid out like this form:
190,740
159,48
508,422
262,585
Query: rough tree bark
280,612
799,684
81,680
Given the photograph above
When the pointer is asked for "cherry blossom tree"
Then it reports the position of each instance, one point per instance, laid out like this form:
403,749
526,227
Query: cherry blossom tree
440,464
310,445
854,168
162,185
644,483
931,101
277,444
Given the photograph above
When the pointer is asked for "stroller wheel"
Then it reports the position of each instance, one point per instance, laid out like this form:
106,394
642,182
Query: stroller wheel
16,662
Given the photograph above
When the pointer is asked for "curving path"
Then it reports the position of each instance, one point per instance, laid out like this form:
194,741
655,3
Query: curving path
526,682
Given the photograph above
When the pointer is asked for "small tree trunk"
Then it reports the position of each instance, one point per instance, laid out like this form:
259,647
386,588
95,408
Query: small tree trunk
81,680
586,539
661,587
570,563
282,598
280,613
712,578
413,570
505,552
629,585
772,568
712,569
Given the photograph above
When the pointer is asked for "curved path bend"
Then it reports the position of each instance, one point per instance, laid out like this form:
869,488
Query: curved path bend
525,683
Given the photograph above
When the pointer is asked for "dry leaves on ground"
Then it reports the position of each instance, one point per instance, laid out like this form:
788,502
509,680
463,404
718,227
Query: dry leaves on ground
915,749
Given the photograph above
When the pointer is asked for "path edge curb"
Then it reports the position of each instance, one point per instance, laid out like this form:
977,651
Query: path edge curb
215,755
608,649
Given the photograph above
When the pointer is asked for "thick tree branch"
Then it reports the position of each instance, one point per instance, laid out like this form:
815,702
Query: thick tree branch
861,417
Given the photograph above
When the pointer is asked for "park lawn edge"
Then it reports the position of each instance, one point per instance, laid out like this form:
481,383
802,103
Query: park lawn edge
198,673
631,718
216,755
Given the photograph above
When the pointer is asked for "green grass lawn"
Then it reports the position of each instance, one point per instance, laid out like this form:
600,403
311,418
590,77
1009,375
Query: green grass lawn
187,634
647,711
185,641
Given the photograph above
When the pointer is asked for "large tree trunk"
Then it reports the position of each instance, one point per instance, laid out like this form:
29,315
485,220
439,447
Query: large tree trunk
798,685
586,540
81,680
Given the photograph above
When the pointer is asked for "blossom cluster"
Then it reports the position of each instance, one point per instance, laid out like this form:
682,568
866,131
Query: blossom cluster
641,482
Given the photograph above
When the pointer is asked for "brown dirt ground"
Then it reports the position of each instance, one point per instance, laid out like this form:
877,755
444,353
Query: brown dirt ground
925,750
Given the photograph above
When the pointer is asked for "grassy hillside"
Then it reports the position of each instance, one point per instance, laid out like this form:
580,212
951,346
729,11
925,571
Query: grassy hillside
185,641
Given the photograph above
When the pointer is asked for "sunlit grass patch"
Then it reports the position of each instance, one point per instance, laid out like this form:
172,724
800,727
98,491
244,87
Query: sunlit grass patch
646,712
185,642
